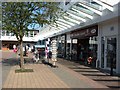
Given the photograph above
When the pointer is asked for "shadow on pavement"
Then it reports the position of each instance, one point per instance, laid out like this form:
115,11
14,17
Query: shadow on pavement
95,75
10,62
16,61
50,64
107,80
100,76
85,71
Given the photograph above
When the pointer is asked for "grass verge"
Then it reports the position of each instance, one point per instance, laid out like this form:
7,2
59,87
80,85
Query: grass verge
23,70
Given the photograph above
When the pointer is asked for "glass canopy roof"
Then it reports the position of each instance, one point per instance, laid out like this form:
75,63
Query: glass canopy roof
78,13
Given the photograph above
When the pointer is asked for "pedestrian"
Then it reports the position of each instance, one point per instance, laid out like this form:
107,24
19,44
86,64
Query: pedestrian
14,48
49,55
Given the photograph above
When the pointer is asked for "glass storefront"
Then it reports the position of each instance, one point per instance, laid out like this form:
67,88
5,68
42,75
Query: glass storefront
102,51
74,50
111,52
61,46
108,53
68,54
87,48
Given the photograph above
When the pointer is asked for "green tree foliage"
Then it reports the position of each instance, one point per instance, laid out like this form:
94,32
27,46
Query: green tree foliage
17,16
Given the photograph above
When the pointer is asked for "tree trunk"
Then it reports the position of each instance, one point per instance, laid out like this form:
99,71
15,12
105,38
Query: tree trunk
21,55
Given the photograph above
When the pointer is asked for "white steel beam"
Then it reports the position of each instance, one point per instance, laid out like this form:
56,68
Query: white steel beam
75,21
104,4
82,12
77,17
63,24
60,28
91,8
67,22
56,28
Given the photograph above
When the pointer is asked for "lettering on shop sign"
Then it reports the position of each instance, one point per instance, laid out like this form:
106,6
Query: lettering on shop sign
84,32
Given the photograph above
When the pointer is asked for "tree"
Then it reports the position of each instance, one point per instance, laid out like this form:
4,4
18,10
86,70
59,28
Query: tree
17,16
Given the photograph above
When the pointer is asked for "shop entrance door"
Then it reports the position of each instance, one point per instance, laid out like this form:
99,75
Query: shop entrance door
110,52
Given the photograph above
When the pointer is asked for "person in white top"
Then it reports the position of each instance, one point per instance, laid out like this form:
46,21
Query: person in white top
14,46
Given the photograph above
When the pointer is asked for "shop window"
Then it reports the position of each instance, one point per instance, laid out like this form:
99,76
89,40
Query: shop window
111,52
102,51
93,49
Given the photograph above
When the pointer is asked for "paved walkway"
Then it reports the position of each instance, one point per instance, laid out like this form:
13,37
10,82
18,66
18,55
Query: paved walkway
99,76
67,75
46,77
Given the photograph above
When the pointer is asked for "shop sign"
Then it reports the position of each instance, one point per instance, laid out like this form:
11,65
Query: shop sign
84,32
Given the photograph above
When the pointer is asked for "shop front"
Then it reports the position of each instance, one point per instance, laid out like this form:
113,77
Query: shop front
8,45
61,46
109,46
86,46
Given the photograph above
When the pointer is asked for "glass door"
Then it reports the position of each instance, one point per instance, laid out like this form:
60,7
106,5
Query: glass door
110,52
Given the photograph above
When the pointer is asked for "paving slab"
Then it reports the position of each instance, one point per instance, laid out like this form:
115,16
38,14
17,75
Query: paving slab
46,77
42,77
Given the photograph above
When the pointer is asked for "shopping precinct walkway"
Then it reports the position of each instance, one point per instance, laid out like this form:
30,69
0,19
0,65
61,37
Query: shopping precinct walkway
101,76
45,76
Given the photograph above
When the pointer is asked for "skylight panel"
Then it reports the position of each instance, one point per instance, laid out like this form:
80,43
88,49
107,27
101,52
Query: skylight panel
75,21
67,22
104,5
63,24
90,8
83,13
77,17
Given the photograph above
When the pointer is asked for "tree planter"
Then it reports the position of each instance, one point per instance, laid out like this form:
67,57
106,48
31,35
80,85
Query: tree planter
23,70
